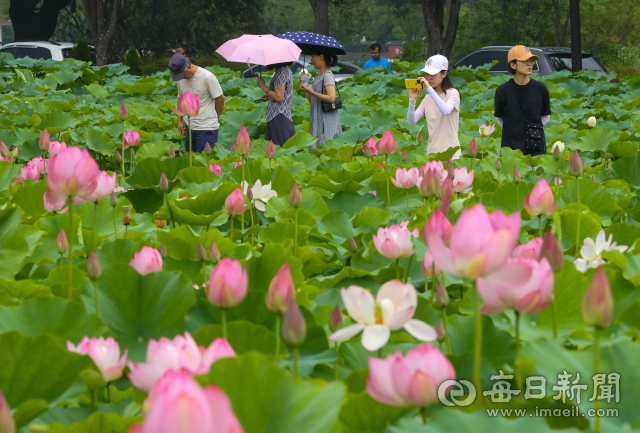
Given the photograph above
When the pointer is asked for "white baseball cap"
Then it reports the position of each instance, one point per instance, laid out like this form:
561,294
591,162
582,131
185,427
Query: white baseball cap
435,64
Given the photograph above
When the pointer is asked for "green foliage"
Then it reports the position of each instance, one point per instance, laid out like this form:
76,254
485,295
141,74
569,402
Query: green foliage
132,60
81,51
413,51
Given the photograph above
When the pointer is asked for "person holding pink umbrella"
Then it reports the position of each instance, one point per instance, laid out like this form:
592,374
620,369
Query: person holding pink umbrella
280,96
198,81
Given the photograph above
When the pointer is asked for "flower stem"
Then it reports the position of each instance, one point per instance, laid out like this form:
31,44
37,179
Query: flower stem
242,217
95,293
557,181
295,363
224,323
295,245
123,176
406,274
70,274
398,268
446,331
424,206
407,204
515,362
231,230
423,414
337,364
518,196
166,198
380,353
596,360
499,183
108,392
190,142
540,226
95,223
115,227
386,166
578,223
477,355
277,335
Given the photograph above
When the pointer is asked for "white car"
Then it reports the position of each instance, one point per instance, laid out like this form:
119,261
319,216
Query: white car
57,51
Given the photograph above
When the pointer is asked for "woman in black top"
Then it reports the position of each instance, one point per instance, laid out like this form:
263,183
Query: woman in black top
521,99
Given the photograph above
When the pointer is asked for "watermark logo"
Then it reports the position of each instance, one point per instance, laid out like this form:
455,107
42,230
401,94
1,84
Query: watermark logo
461,393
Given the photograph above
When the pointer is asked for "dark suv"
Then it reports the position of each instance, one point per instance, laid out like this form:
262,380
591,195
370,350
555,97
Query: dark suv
551,60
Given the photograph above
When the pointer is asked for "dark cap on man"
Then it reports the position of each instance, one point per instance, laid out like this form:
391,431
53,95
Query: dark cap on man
178,65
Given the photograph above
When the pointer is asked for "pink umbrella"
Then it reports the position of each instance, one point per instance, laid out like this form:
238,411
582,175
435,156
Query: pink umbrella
260,50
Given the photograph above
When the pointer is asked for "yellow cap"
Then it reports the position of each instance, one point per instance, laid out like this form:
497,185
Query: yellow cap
520,52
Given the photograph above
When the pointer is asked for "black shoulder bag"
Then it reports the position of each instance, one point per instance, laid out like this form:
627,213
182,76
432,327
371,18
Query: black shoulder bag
534,140
337,104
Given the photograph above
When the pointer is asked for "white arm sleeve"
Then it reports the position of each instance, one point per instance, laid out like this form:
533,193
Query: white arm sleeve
412,115
545,119
445,107
499,120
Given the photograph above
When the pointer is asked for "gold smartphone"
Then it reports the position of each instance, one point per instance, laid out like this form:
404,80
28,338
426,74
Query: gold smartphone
412,83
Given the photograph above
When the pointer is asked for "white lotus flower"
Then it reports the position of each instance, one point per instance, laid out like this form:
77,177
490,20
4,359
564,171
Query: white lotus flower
261,194
392,310
558,144
591,121
591,251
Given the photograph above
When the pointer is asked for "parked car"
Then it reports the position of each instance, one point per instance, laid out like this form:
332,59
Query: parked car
347,70
57,51
551,60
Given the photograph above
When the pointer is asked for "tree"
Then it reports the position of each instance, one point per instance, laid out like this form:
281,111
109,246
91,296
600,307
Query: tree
81,51
576,42
35,20
133,62
559,33
321,12
433,11
103,26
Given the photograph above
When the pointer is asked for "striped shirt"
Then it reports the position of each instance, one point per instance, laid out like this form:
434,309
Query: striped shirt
281,77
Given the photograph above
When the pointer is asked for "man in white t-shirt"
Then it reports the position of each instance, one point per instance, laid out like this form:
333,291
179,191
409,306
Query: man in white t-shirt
203,83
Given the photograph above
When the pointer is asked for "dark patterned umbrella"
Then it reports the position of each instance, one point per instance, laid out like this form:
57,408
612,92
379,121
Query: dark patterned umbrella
307,41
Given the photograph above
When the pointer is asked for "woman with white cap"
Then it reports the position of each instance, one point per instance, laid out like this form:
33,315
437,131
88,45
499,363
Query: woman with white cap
441,107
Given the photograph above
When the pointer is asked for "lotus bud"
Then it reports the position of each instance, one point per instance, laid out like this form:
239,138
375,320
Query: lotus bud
201,253
440,331
444,206
516,175
131,151
593,178
249,193
591,121
500,153
44,141
556,152
113,200
163,251
118,157
597,303
419,137
126,215
294,328
498,164
450,169
576,165
367,151
180,153
446,190
4,150
7,423
123,113
358,139
207,149
271,150
172,152
552,251
404,155
93,266
214,253
473,148
164,183
353,245
15,152
442,296
335,320
62,244
296,196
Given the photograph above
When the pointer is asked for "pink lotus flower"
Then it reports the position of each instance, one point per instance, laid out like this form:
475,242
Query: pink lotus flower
72,171
188,105
178,404
387,144
281,291
409,381
462,180
524,285
131,139
374,193
147,260
38,163
540,201
7,423
123,113
271,150
28,172
243,142
405,178
480,243
54,203
428,266
438,225
237,164
371,145
485,130
228,284
530,250
556,181
234,204
106,185
395,242
7,158
44,140
216,169
392,310
180,354
430,184
104,353
473,148
435,166
55,147
597,303
446,190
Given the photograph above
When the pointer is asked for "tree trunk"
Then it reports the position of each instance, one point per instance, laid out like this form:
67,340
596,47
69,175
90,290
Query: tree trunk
102,29
559,30
321,12
31,25
433,11
576,42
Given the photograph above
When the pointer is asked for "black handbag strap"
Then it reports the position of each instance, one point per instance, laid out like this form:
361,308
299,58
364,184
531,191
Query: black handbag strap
334,79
